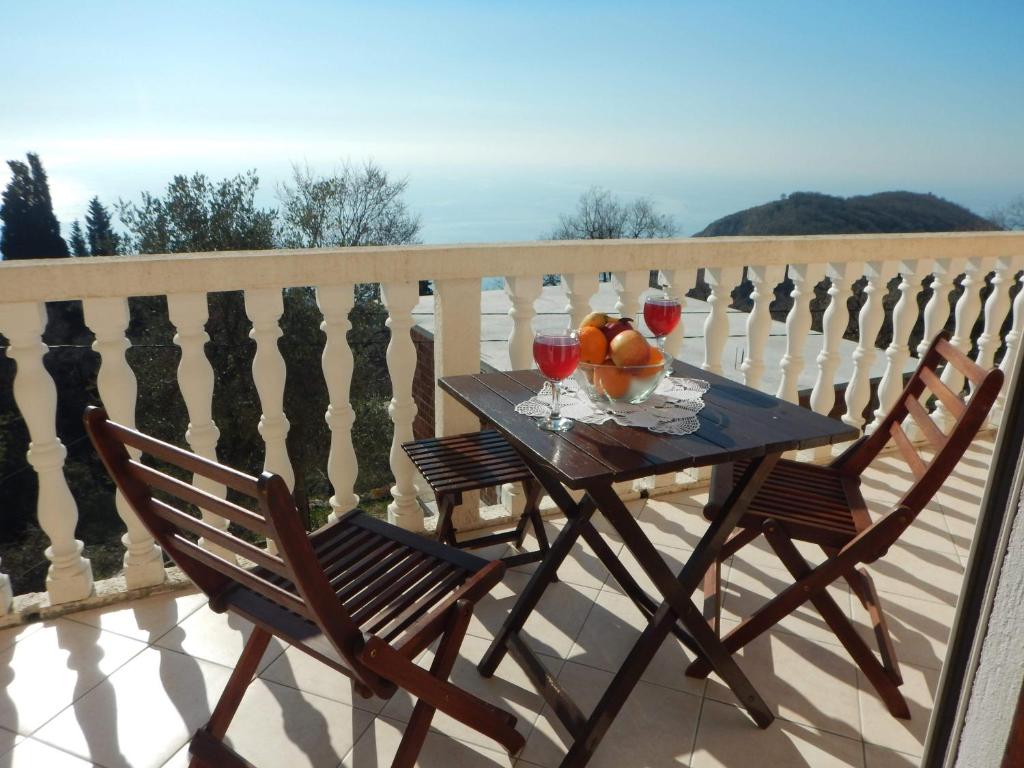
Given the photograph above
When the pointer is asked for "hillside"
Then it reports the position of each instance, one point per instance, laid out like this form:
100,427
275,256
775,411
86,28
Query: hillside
813,213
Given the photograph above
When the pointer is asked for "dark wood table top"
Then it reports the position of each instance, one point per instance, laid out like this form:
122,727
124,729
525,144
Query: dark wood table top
737,422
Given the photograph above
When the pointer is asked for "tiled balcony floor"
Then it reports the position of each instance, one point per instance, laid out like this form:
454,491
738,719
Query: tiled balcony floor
126,685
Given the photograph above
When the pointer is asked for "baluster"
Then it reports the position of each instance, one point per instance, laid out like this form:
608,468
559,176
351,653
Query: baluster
400,298
966,313
108,318
457,351
936,311
679,281
70,575
188,313
1013,347
264,307
997,306
629,286
869,322
716,325
335,302
759,321
522,292
798,325
823,395
904,315
579,288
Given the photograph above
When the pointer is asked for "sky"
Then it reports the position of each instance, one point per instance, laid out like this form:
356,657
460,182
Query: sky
500,114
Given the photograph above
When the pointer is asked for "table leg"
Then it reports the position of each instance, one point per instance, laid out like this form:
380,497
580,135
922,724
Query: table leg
579,516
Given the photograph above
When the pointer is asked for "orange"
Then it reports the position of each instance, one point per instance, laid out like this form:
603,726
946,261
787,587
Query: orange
611,381
654,360
593,344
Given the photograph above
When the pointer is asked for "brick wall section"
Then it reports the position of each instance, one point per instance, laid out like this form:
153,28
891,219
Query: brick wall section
423,383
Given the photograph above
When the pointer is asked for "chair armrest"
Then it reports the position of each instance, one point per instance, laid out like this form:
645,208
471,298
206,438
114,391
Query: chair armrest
431,625
886,531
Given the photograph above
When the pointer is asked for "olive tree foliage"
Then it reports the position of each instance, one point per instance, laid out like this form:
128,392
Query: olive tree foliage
600,215
1011,215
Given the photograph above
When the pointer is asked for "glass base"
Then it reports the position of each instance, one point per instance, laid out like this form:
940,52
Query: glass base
560,424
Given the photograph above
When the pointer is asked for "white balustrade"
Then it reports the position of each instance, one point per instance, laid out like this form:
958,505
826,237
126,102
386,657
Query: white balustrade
457,351
936,311
188,313
1013,347
264,308
763,279
904,315
69,576
872,313
629,287
400,298
716,325
997,306
522,292
108,318
335,302
798,325
965,313
580,288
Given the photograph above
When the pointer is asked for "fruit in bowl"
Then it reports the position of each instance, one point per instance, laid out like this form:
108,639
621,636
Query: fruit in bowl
617,365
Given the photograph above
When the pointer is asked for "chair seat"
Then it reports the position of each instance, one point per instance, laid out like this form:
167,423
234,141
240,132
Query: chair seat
386,578
468,462
815,503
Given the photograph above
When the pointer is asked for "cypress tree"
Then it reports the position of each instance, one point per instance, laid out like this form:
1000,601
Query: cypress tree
31,230
103,241
78,244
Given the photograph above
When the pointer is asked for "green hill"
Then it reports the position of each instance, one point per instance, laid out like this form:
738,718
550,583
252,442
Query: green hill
813,213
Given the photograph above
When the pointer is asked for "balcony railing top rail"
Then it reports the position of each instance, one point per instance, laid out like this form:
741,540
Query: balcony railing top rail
38,280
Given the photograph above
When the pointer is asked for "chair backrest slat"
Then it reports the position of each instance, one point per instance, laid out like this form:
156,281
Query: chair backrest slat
178,544
924,423
907,450
200,498
216,536
946,396
970,369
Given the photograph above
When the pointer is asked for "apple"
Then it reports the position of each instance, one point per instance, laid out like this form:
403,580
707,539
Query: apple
629,348
596,319
615,326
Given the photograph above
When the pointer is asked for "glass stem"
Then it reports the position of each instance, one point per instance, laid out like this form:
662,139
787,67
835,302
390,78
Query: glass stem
556,410
661,344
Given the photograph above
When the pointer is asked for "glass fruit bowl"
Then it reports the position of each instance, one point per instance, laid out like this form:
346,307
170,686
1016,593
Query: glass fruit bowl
609,385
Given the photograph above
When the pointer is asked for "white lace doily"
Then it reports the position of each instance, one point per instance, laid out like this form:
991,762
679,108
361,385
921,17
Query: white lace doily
672,409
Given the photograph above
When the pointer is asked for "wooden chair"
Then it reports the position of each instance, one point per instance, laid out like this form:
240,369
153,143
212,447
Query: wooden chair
360,595
473,461
823,505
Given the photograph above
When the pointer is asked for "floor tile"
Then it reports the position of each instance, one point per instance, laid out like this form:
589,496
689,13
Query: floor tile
918,573
611,630
216,637
675,558
884,730
297,669
877,757
673,521
35,754
45,672
581,567
919,628
727,738
280,727
10,636
145,619
655,727
142,714
509,689
801,681
551,628
377,746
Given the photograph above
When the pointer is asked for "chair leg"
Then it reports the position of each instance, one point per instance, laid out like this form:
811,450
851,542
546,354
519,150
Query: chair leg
838,623
208,741
445,526
444,661
861,582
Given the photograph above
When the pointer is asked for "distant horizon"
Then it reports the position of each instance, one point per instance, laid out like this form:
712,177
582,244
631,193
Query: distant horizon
501,116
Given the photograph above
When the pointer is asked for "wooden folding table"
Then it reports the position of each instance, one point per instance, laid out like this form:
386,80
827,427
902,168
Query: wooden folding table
737,422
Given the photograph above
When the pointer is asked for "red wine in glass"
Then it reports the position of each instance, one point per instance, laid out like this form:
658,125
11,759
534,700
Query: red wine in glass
662,314
557,356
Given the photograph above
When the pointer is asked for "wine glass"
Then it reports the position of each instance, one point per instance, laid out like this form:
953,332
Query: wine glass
557,355
662,314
